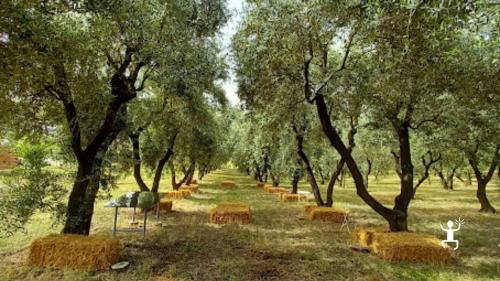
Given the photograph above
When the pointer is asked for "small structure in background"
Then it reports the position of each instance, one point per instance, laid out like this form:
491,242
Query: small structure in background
8,160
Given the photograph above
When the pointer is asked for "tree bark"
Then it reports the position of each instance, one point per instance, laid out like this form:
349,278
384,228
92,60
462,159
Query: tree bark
295,183
134,139
161,164
86,184
331,184
369,171
176,185
275,180
305,160
483,180
397,219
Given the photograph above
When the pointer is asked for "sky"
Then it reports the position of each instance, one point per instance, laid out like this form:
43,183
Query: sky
230,86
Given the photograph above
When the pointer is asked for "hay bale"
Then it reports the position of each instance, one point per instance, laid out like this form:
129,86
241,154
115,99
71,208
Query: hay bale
364,235
328,214
76,252
177,194
228,184
260,185
287,197
194,182
276,190
410,247
229,212
309,208
165,205
193,188
186,193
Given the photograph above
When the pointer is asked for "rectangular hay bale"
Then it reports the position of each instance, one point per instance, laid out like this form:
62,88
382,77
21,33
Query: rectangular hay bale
410,247
165,205
75,252
230,212
178,194
364,235
260,185
309,208
227,184
328,214
193,188
287,197
276,190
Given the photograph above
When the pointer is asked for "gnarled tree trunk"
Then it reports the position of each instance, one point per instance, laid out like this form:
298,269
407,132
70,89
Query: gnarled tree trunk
305,160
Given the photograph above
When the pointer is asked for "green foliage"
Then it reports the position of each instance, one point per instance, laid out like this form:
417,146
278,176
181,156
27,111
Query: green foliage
146,200
32,186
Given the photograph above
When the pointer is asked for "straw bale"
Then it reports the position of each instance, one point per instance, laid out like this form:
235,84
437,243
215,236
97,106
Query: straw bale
177,194
76,252
410,247
194,182
309,208
364,235
260,185
328,214
186,193
193,188
165,205
229,212
228,184
276,190
287,197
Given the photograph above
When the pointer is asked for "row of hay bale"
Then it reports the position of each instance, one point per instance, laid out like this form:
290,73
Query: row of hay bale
283,193
313,212
402,246
185,191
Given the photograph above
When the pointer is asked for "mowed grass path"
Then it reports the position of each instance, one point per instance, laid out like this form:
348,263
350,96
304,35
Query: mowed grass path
280,243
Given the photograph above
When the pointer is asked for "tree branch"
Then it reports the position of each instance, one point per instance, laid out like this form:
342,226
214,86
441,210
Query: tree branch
342,65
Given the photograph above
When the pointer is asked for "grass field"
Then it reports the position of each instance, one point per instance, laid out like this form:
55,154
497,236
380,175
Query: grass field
279,244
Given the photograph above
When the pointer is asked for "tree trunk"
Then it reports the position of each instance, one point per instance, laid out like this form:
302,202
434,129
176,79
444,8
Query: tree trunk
134,139
190,177
397,219
312,179
176,185
321,175
258,174
402,201
275,180
486,206
161,165
295,183
483,180
368,172
331,184
82,196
